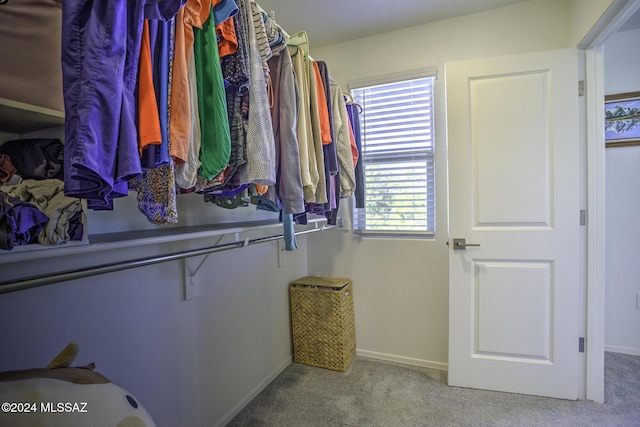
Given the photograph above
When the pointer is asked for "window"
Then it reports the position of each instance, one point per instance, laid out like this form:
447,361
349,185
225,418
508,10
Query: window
398,157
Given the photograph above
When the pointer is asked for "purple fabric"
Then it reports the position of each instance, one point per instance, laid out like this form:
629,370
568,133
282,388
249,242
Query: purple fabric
301,218
330,153
354,118
20,222
100,52
332,215
332,194
161,83
229,192
76,227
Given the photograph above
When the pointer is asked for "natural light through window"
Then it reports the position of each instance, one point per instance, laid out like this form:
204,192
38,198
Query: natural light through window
398,158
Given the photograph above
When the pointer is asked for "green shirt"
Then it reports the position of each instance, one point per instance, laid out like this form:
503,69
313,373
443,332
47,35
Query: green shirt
214,122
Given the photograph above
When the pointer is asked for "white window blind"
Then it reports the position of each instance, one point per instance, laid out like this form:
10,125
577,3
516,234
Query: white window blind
398,158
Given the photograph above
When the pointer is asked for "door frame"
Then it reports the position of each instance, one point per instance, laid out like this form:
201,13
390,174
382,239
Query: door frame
617,14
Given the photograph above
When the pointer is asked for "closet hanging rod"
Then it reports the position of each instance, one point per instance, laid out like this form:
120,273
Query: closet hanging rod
272,15
42,280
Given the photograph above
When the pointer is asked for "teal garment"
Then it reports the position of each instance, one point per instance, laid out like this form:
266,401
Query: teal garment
290,243
212,103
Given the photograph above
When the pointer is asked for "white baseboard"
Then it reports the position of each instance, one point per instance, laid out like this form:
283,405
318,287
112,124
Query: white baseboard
253,393
625,350
404,360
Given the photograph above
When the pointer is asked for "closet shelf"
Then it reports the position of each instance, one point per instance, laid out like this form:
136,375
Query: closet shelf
57,275
123,240
18,117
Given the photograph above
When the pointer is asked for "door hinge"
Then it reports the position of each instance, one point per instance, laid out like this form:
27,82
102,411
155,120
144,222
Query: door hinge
581,88
583,217
581,345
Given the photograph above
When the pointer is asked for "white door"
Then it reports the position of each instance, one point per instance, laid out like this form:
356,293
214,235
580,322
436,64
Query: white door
514,182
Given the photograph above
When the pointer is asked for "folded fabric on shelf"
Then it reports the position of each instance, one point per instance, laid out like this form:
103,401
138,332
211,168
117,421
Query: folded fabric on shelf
37,158
48,196
7,170
20,222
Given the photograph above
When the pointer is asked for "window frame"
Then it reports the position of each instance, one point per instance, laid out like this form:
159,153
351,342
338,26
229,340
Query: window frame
430,72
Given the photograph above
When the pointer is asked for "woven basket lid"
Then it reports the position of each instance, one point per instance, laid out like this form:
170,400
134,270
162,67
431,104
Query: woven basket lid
324,282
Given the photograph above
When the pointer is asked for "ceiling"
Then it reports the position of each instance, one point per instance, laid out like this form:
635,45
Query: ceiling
334,21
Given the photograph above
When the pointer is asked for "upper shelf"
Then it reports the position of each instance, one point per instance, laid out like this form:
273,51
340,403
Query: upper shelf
18,117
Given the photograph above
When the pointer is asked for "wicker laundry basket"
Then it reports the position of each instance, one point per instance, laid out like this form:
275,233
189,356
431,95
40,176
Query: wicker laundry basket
322,322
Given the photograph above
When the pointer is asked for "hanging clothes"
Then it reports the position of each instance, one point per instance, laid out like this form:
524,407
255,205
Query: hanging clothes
155,187
185,122
288,193
240,106
225,27
329,150
192,15
223,10
187,173
321,195
215,146
308,164
237,100
100,54
326,132
149,132
260,143
343,142
328,146
354,118
161,34
223,14
324,76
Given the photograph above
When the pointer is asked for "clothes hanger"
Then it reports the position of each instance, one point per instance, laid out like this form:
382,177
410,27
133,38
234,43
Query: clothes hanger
349,98
294,53
301,40
350,101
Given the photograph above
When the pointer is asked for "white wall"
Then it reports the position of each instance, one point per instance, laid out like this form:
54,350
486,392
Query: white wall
584,15
401,285
622,273
191,363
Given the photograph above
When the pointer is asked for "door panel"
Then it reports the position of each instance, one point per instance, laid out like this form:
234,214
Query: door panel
514,179
514,128
499,284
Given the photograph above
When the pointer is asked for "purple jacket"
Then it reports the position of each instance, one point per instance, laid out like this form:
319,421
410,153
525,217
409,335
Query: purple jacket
100,51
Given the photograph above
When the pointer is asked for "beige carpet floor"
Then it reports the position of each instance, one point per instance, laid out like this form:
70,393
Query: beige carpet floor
374,393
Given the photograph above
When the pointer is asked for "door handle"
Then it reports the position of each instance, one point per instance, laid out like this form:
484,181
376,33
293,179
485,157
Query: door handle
461,244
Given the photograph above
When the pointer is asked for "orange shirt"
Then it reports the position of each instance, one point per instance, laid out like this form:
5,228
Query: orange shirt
226,31
325,124
148,116
193,14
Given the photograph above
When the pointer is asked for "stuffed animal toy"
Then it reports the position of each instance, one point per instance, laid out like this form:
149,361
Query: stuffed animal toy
64,396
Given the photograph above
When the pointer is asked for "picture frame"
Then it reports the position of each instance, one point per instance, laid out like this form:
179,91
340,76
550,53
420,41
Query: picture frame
622,119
